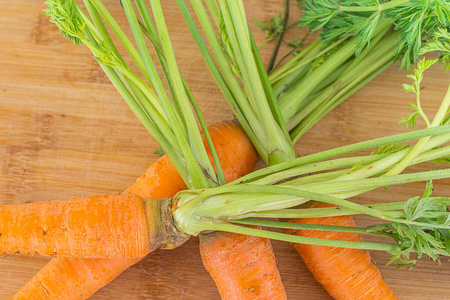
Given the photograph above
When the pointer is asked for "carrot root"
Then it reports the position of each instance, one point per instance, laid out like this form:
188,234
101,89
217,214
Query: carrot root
100,226
67,278
344,273
243,267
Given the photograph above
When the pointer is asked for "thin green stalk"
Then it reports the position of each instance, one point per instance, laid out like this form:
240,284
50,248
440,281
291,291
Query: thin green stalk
174,156
277,148
327,154
379,7
318,167
286,225
134,54
224,77
341,86
276,48
317,114
301,240
325,212
148,103
198,162
156,42
291,100
443,110
314,178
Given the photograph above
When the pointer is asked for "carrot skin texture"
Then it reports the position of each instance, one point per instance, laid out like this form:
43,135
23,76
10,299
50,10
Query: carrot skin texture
242,266
99,226
347,274
161,180
73,278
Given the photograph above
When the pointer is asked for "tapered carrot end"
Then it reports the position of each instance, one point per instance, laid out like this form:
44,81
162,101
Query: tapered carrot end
344,273
243,267
72,278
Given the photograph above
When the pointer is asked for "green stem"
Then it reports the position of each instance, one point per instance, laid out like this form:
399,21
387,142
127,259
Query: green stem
197,161
317,167
325,212
276,48
156,42
297,226
381,7
224,76
327,154
302,240
290,101
440,115
379,58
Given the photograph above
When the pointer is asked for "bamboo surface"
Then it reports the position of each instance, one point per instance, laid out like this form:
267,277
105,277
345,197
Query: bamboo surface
65,132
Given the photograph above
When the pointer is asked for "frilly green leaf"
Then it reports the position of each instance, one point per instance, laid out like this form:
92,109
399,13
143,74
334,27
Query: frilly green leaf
65,14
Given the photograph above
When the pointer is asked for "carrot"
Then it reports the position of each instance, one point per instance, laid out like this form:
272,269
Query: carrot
73,278
83,277
345,273
98,226
242,266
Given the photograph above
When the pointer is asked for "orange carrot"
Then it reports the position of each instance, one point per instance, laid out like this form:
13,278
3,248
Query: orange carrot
81,278
73,278
242,266
99,226
344,273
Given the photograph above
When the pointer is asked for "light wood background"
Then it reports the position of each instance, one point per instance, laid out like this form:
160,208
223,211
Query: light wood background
65,132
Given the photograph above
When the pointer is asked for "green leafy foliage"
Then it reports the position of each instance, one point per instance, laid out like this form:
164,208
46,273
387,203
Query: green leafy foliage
391,148
273,29
66,16
439,43
159,151
105,56
417,20
417,77
431,237
318,13
411,120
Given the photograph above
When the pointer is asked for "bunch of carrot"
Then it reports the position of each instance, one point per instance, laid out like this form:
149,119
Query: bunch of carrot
208,242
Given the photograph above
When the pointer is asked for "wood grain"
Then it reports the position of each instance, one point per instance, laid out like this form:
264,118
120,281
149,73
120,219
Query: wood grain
65,132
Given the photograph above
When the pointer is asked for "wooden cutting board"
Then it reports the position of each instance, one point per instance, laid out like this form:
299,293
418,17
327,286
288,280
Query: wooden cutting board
65,132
